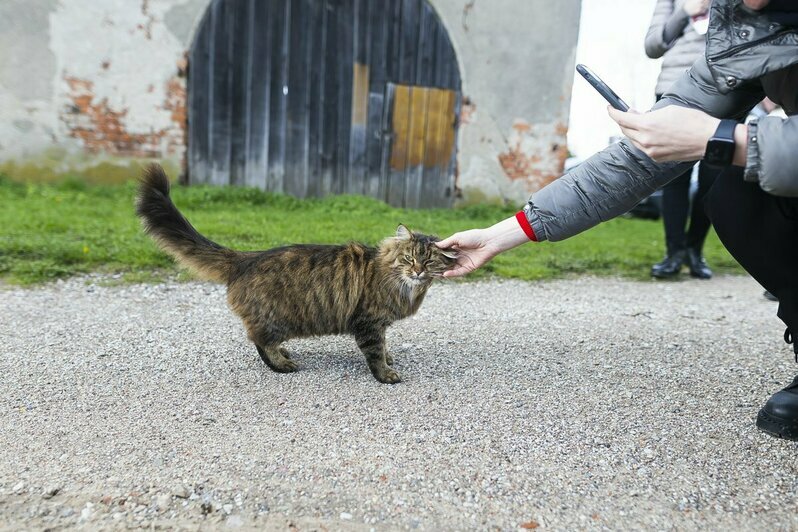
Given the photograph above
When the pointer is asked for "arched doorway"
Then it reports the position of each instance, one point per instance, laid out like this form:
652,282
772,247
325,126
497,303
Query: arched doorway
318,97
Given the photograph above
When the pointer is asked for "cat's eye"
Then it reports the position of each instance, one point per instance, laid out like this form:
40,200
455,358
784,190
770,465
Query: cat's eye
408,258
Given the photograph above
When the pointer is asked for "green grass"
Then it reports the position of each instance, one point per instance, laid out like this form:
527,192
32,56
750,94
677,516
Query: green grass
50,231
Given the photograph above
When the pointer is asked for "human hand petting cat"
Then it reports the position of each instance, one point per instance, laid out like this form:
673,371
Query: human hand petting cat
476,247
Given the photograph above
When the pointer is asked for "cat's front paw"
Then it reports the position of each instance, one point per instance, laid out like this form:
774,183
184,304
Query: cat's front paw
386,375
389,360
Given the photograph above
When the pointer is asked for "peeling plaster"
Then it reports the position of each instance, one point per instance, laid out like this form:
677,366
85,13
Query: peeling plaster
102,129
147,27
517,69
466,11
126,99
534,158
467,111
115,85
90,85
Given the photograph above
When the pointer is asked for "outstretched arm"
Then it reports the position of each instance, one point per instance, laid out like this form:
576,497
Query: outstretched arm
477,247
614,180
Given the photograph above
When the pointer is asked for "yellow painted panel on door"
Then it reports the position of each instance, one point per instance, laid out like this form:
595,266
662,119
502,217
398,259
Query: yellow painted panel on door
423,127
360,94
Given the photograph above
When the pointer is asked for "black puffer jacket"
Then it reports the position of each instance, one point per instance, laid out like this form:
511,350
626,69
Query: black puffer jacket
748,57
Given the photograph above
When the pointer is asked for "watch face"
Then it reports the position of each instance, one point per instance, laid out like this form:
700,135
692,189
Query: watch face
720,152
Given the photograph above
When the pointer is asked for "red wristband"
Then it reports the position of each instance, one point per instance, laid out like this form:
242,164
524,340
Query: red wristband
524,223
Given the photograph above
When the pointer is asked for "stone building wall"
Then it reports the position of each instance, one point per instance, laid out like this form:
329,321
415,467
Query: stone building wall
96,88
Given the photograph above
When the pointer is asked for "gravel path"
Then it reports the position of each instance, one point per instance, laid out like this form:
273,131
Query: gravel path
590,403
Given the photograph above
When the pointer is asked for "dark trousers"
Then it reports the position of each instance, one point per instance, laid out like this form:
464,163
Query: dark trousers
760,230
676,205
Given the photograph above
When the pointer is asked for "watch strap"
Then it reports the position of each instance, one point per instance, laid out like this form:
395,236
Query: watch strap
725,130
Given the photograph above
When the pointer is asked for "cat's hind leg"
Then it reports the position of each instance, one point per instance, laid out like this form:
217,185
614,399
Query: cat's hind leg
267,342
371,341
274,357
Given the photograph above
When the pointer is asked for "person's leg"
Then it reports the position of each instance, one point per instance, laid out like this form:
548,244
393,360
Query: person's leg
699,220
675,206
761,232
700,224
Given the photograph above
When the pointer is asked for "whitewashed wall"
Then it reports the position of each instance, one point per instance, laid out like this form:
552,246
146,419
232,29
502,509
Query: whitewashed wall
95,88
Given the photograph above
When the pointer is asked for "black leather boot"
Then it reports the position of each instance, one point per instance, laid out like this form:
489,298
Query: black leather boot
697,264
779,416
670,266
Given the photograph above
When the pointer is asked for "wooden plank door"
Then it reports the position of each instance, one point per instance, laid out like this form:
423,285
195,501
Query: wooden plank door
307,97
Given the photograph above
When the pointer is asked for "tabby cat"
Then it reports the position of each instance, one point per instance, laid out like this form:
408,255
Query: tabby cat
303,290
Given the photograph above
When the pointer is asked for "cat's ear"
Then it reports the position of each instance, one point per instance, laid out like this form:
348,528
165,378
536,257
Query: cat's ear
402,232
450,253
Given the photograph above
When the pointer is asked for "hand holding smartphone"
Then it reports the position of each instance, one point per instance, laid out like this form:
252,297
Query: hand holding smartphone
602,88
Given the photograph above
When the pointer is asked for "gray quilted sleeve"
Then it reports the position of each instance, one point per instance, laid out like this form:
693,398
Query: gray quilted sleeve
601,188
772,157
614,180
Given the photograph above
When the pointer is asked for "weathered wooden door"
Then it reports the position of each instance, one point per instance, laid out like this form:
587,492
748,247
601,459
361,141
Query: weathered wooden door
317,97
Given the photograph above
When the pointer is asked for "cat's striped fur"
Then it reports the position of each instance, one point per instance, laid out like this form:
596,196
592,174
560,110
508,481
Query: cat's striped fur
303,290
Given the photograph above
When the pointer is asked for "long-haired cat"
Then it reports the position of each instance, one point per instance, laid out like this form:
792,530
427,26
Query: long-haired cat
303,290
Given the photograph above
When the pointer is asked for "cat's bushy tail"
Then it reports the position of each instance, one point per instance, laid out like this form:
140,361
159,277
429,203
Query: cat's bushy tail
174,234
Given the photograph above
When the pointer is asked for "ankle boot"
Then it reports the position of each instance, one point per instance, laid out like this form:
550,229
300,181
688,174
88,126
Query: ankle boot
670,266
779,416
698,266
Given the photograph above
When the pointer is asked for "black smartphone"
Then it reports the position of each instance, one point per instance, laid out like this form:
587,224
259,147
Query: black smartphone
602,88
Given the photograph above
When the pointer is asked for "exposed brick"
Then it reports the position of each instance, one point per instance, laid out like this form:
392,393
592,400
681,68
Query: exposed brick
536,167
102,129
